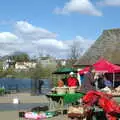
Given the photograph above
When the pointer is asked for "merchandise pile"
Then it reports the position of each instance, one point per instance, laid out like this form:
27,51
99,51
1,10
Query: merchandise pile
104,101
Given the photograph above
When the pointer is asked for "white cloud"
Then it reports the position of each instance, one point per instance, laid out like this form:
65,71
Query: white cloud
7,37
27,39
51,43
28,31
80,6
110,2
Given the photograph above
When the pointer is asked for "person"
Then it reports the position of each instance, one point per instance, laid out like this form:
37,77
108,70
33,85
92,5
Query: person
82,78
107,82
60,83
89,81
72,81
40,85
100,81
64,79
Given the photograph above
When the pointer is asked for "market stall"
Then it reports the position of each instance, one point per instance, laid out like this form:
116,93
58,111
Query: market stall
63,94
62,97
103,66
106,100
57,102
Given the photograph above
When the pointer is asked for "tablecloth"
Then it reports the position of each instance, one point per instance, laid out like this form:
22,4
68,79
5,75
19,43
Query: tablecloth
67,98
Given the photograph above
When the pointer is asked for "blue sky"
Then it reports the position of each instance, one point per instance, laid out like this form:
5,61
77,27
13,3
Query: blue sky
40,23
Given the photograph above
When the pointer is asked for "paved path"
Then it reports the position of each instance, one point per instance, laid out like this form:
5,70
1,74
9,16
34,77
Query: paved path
25,106
9,111
24,98
13,115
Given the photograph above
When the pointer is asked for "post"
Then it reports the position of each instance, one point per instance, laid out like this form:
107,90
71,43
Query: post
113,79
78,77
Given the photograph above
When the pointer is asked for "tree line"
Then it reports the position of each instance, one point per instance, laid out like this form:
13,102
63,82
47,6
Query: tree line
74,54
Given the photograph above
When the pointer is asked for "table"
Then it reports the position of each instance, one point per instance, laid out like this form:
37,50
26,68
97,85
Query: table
117,99
57,102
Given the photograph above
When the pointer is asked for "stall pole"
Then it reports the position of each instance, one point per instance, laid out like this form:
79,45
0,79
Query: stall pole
78,77
113,79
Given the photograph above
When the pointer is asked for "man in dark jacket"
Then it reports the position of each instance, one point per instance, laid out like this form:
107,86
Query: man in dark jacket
40,86
89,82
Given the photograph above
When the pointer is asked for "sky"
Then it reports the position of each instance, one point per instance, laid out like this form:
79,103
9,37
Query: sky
51,26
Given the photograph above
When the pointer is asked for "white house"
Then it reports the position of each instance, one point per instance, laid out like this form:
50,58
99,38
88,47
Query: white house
46,61
8,64
25,65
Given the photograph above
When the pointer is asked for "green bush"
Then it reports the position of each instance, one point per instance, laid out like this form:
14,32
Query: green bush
2,91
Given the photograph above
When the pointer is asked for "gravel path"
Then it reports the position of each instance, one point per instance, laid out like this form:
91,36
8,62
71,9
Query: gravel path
13,115
25,99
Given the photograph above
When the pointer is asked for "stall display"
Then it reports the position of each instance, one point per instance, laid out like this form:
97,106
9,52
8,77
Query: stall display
102,98
104,101
104,66
72,90
116,91
81,112
57,102
106,90
61,90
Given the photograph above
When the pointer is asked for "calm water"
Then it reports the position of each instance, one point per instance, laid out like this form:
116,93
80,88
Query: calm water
12,82
23,84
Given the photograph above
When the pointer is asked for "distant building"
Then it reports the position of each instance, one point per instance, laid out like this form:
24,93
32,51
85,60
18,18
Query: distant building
46,61
25,65
8,64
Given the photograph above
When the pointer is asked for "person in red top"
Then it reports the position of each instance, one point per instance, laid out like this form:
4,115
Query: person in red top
72,81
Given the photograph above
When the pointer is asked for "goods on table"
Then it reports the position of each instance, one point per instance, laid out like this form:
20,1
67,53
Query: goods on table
72,90
64,90
61,90
78,109
106,90
104,101
80,112
116,91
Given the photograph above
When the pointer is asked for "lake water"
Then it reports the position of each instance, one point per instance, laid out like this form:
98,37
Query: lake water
12,82
22,84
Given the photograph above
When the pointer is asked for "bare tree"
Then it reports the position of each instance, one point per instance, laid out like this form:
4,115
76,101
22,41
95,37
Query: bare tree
75,51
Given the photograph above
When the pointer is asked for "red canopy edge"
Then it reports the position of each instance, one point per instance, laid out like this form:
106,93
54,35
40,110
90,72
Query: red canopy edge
102,65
